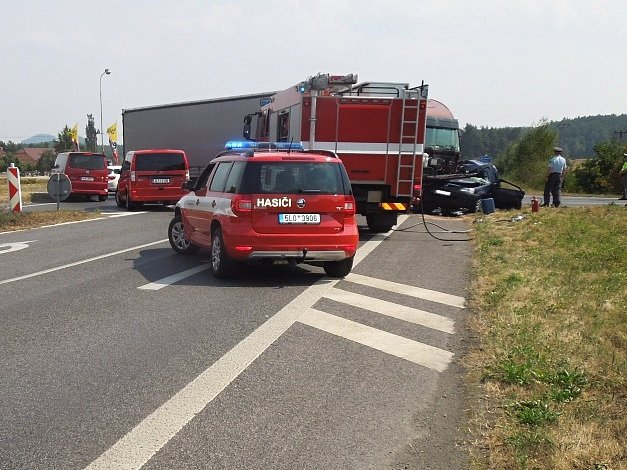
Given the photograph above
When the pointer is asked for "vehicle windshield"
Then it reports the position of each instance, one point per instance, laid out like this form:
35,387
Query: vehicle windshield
294,178
443,138
159,162
87,162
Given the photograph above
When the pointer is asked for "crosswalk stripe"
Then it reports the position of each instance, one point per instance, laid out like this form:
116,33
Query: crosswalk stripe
401,312
419,292
166,281
413,351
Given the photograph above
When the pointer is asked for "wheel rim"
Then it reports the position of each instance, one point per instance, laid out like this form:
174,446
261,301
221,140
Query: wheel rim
215,253
178,236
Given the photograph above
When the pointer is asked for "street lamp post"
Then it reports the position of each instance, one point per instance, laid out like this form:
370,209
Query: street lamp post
106,72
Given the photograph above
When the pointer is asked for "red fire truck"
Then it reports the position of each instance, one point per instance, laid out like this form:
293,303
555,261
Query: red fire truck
376,128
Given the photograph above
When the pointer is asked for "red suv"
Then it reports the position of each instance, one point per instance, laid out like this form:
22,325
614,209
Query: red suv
152,176
269,206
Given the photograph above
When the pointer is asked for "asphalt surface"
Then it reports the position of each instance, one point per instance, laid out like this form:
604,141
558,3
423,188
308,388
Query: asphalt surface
108,362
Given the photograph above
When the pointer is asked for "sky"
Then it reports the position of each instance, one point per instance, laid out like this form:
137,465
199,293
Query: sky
493,63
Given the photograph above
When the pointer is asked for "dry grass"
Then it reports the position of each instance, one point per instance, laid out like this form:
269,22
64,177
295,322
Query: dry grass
10,222
550,309
28,186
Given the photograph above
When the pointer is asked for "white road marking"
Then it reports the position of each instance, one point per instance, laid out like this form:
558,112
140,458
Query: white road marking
72,222
138,446
366,248
413,351
77,263
418,292
166,281
408,314
114,215
15,246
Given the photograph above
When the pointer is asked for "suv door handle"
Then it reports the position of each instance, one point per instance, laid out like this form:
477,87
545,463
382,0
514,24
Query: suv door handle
213,204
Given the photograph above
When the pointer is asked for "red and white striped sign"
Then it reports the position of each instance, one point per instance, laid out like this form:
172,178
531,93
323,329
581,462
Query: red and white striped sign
15,190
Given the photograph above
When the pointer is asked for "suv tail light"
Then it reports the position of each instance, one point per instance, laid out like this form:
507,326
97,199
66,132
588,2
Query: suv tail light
241,205
349,205
133,176
187,175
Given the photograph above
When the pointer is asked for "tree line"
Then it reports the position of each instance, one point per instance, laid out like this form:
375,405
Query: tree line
63,143
522,154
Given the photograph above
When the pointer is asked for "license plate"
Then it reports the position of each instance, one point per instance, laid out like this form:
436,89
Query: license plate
160,180
299,218
87,178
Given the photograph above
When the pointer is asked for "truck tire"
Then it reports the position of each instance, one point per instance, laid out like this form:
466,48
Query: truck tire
222,265
339,269
379,223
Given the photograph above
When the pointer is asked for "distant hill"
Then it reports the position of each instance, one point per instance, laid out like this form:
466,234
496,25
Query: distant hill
576,136
44,138
39,139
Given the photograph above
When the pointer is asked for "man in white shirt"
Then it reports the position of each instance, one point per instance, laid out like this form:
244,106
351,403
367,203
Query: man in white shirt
554,178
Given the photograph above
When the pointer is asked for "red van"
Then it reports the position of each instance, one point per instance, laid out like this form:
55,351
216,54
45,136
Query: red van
153,176
87,172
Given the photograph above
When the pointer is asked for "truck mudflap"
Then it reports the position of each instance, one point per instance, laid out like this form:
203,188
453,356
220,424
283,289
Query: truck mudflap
394,206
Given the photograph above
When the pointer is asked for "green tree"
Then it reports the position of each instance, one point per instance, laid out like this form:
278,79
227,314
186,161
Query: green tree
90,132
45,162
7,159
601,173
525,161
64,141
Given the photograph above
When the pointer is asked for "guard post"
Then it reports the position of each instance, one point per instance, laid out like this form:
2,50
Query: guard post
15,188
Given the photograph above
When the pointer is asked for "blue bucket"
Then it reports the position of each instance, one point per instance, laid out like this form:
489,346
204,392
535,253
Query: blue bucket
487,205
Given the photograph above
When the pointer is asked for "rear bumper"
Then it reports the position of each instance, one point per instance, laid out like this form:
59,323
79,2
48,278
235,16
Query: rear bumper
157,196
100,192
300,255
253,246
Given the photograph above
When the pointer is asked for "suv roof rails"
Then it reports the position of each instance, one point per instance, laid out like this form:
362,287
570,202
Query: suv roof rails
330,153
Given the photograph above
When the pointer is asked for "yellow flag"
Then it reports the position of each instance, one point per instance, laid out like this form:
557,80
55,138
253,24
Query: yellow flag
112,131
74,132
74,136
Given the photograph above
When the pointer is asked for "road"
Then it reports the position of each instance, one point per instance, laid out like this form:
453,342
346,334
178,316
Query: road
119,353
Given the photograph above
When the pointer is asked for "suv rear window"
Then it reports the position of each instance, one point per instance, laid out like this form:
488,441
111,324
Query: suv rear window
88,162
159,162
295,178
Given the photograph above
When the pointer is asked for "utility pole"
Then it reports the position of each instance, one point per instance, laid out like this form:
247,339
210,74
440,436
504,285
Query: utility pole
106,72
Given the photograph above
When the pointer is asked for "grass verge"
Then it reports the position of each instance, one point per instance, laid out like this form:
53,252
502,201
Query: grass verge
549,308
28,186
25,220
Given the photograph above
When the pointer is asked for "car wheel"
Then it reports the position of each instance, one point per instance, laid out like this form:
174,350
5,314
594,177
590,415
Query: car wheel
130,205
118,199
222,266
177,238
339,268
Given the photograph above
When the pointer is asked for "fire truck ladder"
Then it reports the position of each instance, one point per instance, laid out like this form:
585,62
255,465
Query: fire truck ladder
408,135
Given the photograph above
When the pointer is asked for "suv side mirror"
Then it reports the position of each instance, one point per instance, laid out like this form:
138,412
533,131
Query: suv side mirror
189,185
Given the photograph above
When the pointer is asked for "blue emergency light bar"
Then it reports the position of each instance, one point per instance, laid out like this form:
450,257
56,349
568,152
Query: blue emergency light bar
249,144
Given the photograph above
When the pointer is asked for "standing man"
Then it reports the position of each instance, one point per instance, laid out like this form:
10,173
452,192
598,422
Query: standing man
554,178
623,177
